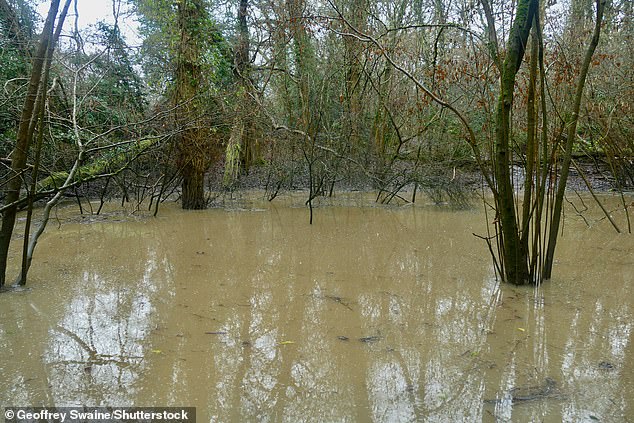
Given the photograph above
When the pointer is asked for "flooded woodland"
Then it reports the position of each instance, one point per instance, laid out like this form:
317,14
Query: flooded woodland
370,210
372,313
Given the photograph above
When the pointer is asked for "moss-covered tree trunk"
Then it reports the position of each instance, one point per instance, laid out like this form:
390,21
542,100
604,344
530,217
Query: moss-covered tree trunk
192,144
242,149
514,254
304,62
249,152
193,188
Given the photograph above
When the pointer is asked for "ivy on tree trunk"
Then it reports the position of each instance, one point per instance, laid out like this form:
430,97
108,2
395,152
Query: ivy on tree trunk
192,143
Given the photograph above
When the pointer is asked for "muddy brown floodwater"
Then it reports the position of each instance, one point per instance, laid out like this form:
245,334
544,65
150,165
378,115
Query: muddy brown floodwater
372,314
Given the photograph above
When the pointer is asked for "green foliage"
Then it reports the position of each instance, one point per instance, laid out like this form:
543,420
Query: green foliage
114,90
17,26
13,66
16,31
160,29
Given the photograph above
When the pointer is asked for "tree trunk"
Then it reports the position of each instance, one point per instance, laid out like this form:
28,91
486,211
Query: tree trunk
514,255
192,143
571,136
354,68
37,86
303,60
194,189
381,127
243,123
531,142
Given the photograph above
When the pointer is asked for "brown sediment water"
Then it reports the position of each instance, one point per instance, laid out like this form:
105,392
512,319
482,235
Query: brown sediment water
384,314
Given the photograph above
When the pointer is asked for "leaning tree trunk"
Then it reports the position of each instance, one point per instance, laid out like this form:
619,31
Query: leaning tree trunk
28,118
28,246
571,135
